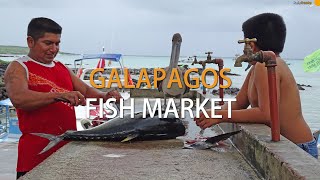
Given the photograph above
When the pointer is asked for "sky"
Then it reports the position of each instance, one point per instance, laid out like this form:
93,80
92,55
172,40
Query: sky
146,27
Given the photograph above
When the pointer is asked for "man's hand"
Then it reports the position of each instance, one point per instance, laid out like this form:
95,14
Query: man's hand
113,94
75,98
204,122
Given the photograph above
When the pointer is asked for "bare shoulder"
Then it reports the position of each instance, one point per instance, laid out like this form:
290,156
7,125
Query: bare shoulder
15,70
283,69
15,79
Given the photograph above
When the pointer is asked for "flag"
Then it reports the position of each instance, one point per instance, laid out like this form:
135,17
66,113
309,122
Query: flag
101,63
312,62
79,72
130,82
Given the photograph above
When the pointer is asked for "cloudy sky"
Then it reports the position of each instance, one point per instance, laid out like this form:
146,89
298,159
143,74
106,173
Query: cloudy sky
145,27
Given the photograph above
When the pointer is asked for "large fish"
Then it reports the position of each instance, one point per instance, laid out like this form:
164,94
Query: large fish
123,129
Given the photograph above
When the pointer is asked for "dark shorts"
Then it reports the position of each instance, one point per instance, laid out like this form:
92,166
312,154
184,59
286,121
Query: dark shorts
310,147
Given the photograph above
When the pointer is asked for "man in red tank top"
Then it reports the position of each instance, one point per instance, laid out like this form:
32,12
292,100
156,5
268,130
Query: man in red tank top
44,93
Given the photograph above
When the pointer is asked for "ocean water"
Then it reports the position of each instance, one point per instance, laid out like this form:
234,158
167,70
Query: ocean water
310,97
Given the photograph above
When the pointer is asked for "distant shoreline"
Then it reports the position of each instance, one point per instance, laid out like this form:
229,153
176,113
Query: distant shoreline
20,50
11,51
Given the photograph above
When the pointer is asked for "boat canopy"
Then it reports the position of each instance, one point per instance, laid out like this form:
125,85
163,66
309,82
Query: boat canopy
112,57
6,102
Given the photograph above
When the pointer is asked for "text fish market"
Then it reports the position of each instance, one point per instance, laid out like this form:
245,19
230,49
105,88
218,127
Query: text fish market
186,105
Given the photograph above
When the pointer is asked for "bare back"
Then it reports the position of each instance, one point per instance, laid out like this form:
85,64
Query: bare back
292,123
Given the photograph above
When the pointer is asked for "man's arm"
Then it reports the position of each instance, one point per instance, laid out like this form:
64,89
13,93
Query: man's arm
23,98
261,113
90,92
242,101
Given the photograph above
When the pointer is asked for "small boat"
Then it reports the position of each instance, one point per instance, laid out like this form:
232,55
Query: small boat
84,73
186,60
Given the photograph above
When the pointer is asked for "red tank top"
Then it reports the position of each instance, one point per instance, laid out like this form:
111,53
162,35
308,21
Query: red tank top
53,119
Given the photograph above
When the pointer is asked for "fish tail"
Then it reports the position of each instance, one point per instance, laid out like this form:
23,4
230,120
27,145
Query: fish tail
54,140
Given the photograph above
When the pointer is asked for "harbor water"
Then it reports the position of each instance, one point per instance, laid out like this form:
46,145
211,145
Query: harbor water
309,97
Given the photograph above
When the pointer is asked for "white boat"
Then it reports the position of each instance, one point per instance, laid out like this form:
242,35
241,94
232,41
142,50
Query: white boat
94,114
85,73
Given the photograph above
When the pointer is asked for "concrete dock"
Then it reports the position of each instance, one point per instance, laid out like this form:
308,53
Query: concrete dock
141,160
164,159
8,160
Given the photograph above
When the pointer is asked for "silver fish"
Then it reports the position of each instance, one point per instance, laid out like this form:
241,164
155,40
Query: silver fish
211,141
123,129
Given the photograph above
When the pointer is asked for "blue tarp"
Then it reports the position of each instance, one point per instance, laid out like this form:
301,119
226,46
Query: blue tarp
14,124
112,57
6,102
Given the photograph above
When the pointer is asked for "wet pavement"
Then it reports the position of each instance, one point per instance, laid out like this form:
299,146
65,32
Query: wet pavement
8,159
164,159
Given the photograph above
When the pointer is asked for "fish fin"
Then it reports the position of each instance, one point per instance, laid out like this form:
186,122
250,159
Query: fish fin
130,137
221,137
54,140
47,136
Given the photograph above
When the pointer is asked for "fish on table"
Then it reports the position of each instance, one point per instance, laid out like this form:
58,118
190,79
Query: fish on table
123,129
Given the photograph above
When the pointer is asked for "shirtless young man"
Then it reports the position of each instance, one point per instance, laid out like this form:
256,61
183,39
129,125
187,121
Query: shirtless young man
270,31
